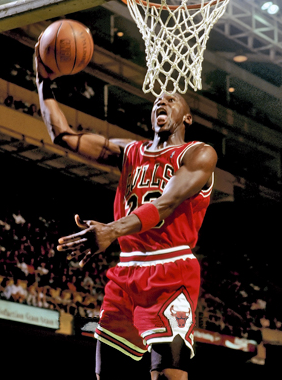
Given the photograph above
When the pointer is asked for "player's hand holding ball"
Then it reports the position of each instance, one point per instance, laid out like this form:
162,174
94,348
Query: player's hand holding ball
64,48
42,71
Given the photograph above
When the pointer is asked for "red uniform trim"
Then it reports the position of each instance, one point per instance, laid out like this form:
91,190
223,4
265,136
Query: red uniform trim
118,343
153,257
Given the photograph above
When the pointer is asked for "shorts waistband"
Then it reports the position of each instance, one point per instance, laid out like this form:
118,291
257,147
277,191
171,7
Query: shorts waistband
138,258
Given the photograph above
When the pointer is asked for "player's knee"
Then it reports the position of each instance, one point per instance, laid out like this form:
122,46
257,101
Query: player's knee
174,355
169,374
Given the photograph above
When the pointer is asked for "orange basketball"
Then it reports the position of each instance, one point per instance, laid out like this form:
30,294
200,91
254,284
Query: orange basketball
66,47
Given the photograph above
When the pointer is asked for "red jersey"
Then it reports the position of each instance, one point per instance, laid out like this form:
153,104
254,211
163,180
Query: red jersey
144,176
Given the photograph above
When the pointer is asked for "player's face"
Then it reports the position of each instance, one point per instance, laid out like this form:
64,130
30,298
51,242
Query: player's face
169,113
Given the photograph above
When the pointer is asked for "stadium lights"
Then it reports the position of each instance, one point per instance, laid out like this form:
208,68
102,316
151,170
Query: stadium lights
271,8
239,58
266,5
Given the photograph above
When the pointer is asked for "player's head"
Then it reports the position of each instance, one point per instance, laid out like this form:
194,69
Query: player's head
170,114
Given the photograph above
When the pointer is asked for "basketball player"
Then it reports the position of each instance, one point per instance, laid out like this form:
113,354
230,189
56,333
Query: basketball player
163,193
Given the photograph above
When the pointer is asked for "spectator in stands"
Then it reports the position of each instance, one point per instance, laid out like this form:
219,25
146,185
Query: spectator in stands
20,105
31,270
21,287
10,291
10,262
76,305
53,293
42,274
72,284
5,224
87,282
278,324
32,110
31,298
41,297
22,265
9,101
19,219
73,265
88,91
3,282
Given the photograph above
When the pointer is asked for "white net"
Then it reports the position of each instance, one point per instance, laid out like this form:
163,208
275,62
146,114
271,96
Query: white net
175,41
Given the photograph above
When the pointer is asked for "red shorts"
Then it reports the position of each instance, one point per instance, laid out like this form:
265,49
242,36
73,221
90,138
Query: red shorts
148,303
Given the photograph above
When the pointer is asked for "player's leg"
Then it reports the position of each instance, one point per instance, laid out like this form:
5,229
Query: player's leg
112,364
166,319
169,374
170,361
119,347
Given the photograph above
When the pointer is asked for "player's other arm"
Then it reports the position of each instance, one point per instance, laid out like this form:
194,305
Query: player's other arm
195,173
89,145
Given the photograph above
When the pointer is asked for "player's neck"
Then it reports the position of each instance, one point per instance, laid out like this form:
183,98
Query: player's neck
164,140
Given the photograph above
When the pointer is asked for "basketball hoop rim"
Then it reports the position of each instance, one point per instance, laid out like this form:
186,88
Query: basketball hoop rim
174,7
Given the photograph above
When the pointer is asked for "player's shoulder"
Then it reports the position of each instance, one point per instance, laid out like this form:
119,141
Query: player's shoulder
193,148
200,152
203,147
199,147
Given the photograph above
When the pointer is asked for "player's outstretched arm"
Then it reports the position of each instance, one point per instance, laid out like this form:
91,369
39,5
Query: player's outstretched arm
195,173
88,145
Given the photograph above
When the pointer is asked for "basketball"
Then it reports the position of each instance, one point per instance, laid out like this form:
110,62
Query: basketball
66,47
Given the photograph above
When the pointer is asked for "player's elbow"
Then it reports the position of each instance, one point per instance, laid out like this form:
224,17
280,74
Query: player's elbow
60,140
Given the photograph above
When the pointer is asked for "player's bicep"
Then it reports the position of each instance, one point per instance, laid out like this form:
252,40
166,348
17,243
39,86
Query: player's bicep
184,184
198,167
189,180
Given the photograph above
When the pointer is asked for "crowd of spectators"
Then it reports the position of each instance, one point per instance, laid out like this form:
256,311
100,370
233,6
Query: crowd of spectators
237,302
34,273
19,105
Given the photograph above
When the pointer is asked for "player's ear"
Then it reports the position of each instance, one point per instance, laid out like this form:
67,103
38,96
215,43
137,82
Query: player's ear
187,119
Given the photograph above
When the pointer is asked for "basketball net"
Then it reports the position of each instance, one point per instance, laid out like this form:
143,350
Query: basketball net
175,40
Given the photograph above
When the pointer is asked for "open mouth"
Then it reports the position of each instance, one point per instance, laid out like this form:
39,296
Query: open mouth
161,111
161,116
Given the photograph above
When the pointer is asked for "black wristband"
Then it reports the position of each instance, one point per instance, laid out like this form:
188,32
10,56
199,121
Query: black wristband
104,150
46,89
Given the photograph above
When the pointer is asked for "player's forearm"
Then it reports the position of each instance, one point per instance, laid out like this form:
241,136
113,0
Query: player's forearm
142,219
125,226
52,115
89,145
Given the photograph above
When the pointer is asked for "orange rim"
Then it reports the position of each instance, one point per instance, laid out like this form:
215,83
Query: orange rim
173,7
